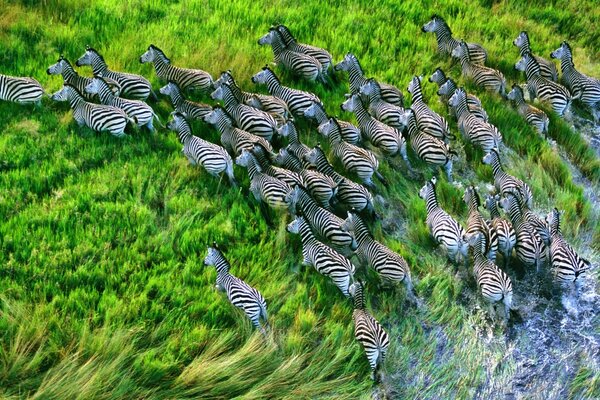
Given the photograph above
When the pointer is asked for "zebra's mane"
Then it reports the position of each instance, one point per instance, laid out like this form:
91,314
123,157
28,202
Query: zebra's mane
443,21
162,54
89,48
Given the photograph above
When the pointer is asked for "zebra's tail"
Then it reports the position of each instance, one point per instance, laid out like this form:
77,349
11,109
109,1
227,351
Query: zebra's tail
155,116
507,300
381,179
133,120
230,175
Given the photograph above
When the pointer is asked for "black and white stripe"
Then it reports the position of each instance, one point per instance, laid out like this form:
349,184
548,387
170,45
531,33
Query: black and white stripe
553,93
547,68
444,229
477,224
488,78
290,42
212,157
295,145
131,85
350,133
185,78
357,78
70,76
233,139
22,90
263,159
534,116
190,109
323,258
389,114
504,182
446,43
239,293
447,87
428,120
502,229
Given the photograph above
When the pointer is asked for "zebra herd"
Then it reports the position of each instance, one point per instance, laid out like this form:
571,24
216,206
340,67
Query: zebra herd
331,212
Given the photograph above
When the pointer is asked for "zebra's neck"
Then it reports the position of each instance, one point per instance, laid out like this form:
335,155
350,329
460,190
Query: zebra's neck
229,99
461,107
105,94
320,114
335,136
493,209
362,115
161,66
222,265
253,169
361,232
555,226
432,203
359,301
306,234
278,46
237,92
224,124
184,132
417,95
98,65
451,88
525,48
413,129
68,73
497,167
323,166
356,76
75,99
444,38
514,212
532,70
292,163
519,100
274,85
566,65
176,96
307,203
465,62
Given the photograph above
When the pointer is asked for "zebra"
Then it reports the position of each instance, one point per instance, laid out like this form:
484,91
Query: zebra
488,78
368,331
239,293
325,225
476,223
295,146
356,160
476,130
322,187
267,103
428,148
22,90
300,64
446,43
553,93
444,229
323,258
189,109
428,120
495,284
389,114
584,88
446,89
547,68
186,79
212,157
247,118
141,112
350,133
534,116
290,42
504,182
390,266
502,228
530,247
296,100
356,78
134,86
233,139
96,116
263,160
568,266
70,76
389,140
350,194
266,189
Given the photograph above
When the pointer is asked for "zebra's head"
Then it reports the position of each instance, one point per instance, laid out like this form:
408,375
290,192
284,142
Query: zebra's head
563,51
311,111
471,197
213,255
521,40
286,34
94,86
285,129
369,87
295,225
414,84
292,198
347,63
326,127
491,201
218,94
88,57
254,101
491,157
356,292
177,121
244,158
262,76
225,77
406,117
351,103
460,50
64,94
269,38
152,53
475,240
521,65
447,88
428,188
515,93
58,67
457,98
281,156
553,221
167,89
436,22
438,77
215,116
348,224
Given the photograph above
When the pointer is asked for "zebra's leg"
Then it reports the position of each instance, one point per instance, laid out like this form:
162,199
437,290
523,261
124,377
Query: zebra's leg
153,96
150,126
448,168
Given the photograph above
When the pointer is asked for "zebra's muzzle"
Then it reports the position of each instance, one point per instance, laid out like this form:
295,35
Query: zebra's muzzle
48,71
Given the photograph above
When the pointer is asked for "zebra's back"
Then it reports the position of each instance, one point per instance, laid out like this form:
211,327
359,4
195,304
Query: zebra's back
20,89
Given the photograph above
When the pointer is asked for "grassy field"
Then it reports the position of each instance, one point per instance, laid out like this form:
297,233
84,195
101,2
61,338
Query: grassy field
103,293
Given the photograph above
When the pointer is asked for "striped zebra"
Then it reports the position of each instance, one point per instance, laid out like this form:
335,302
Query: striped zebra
444,229
428,120
584,88
534,116
389,114
547,68
263,160
568,266
504,182
22,90
368,331
428,148
322,187
356,78
233,139
213,158
296,100
355,160
71,77
137,110
265,188
98,117
133,86
247,118
485,77
502,228
350,133
446,43
186,79
300,64
267,103
325,225
389,140
323,258
474,129
295,146
390,266
239,293
495,285
477,224
290,42
446,89
189,109
553,93
351,195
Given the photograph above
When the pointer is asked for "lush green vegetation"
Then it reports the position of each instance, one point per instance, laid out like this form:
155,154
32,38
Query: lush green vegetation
103,292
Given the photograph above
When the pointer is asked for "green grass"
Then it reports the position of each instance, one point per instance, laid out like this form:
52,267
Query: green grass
102,285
